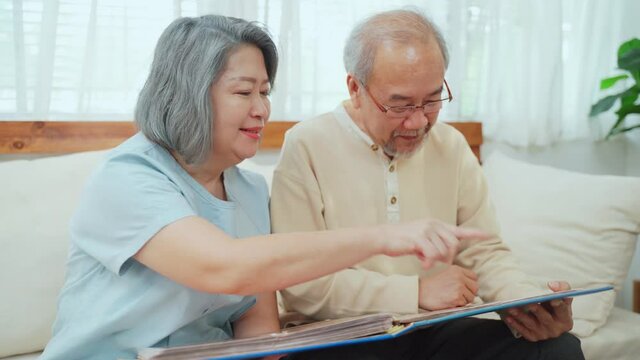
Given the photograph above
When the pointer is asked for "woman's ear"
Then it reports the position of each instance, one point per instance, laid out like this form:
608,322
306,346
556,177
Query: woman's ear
353,85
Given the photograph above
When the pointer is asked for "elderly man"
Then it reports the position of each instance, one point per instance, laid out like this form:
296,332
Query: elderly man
381,157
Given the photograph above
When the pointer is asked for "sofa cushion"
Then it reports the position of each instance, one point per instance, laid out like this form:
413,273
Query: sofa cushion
36,203
563,225
617,339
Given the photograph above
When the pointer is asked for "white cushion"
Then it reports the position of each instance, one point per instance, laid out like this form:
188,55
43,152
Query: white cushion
36,202
563,225
618,339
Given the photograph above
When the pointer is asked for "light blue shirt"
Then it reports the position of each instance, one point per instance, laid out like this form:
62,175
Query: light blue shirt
111,305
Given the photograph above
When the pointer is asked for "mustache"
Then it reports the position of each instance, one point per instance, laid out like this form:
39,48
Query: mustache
406,133
417,132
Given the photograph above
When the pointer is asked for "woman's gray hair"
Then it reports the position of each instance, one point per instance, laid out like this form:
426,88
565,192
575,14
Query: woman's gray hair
400,26
174,106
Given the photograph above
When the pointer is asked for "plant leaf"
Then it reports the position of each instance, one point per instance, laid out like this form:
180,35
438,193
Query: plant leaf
630,60
629,96
609,82
614,127
628,109
628,45
603,104
628,129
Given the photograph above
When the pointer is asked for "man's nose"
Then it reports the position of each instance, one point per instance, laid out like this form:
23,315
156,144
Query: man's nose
417,120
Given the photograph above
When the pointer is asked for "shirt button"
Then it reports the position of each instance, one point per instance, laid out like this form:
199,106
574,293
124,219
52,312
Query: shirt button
374,147
392,168
393,200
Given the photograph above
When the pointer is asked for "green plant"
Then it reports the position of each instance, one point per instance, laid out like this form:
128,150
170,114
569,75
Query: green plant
629,61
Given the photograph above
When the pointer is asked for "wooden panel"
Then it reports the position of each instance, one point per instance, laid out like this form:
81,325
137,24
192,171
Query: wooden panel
472,131
58,137
274,134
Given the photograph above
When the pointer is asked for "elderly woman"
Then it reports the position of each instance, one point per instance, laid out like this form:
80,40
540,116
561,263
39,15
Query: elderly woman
171,239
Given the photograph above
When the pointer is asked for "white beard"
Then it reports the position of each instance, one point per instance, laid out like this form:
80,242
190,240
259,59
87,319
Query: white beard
391,150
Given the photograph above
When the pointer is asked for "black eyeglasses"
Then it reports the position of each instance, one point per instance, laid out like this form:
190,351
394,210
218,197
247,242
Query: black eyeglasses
397,112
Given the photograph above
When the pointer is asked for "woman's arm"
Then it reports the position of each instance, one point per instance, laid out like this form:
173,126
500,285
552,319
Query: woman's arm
197,254
261,319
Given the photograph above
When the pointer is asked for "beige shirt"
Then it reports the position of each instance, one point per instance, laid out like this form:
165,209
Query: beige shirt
331,176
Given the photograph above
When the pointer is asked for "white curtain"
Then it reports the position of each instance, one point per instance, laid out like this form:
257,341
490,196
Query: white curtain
528,69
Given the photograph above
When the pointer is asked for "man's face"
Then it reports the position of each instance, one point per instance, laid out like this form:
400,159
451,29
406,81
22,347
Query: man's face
402,75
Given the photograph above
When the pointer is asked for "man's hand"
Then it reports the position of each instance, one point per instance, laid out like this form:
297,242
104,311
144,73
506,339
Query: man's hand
544,321
455,286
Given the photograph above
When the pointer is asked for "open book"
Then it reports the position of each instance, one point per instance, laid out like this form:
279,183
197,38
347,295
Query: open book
344,331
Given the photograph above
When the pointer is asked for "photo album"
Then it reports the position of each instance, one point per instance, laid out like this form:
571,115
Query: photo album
339,332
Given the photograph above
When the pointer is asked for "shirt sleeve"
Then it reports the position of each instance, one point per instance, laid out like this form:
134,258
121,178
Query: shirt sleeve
499,276
297,205
125,203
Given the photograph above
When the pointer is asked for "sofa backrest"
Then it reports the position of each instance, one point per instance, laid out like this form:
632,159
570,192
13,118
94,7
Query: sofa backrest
36,202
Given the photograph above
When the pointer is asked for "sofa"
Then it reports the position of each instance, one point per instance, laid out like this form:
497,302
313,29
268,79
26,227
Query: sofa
560,225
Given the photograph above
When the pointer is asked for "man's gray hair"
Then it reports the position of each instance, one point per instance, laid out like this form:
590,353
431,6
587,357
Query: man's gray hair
174,106
398,26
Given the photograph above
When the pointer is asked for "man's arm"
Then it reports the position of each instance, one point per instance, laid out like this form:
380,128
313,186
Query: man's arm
499,276
297,205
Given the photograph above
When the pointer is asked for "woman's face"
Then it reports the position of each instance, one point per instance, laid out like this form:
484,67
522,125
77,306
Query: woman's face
241,106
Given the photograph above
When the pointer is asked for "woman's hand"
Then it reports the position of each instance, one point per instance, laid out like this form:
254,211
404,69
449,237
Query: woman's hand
429,240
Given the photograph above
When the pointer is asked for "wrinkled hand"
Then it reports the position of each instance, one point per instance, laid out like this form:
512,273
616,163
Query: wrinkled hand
454,286
544,321
429,240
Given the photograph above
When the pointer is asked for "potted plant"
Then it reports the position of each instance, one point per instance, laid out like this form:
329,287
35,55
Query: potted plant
629,61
